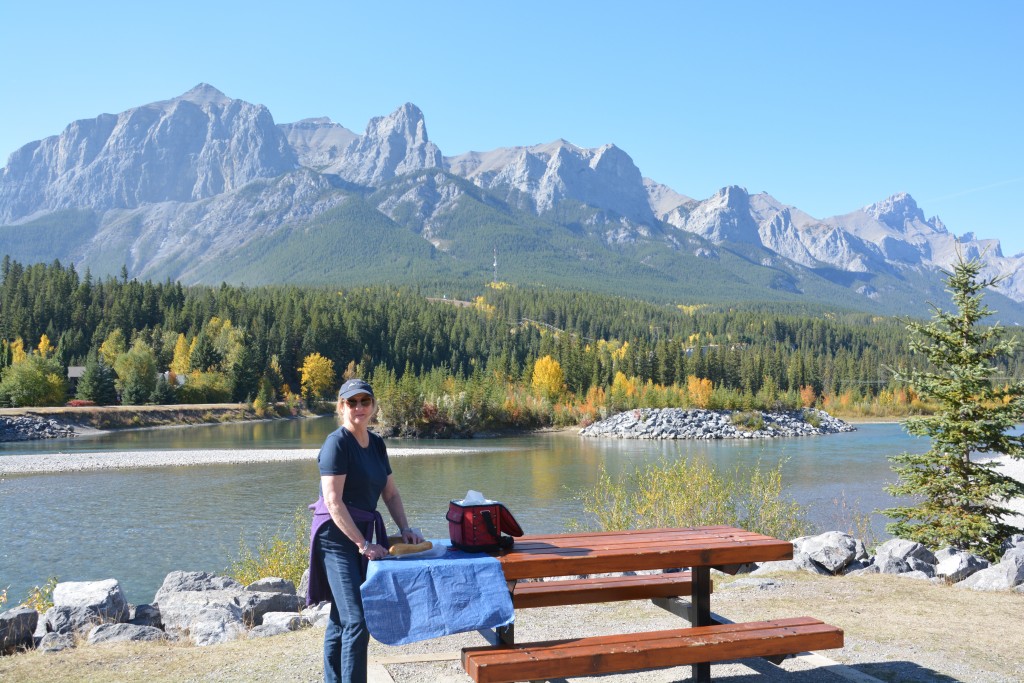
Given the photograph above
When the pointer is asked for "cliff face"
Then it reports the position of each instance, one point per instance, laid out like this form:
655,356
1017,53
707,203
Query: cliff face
392,145
604,178
192,147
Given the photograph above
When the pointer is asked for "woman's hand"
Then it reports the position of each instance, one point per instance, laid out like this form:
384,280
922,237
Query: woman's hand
412,536
375,552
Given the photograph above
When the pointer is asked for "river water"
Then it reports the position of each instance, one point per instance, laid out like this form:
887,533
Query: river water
136,525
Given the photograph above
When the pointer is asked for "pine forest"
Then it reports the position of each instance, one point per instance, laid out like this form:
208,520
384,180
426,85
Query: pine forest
443,364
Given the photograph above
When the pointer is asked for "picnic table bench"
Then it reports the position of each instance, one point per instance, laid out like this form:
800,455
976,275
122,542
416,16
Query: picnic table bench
706,640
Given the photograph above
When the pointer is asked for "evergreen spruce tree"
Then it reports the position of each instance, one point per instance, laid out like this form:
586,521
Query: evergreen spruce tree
97,383
163,393
204,356
245,374
958,501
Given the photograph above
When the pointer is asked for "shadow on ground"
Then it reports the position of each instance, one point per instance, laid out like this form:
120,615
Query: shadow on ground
904,672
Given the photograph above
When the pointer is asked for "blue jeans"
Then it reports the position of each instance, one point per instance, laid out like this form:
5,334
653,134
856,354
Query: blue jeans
346,638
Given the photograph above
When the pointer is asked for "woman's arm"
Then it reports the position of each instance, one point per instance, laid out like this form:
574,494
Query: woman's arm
393,501
333,485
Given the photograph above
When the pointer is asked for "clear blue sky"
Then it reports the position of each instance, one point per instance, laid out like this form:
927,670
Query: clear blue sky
826,106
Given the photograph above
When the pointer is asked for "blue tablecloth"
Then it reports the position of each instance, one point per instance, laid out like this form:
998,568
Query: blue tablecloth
406,599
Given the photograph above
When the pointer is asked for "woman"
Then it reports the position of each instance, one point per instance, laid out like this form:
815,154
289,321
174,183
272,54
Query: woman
347,529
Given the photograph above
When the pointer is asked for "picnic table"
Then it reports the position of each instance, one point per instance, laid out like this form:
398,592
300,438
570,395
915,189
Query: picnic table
706,640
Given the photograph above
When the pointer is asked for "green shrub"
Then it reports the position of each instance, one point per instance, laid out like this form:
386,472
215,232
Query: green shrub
284,555
751,421
812,417
40,598
205,387
35,381
692,492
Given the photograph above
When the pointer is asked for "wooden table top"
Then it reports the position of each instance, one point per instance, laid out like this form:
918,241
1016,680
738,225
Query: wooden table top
535,557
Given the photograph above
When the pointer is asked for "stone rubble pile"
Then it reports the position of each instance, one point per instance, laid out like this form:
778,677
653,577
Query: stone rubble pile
29,427
195,607
678,423
204,609
836,553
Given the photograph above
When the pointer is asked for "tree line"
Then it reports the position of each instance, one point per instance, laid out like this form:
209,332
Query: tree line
238,343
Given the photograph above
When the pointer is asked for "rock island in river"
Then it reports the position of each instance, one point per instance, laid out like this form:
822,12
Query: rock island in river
677,423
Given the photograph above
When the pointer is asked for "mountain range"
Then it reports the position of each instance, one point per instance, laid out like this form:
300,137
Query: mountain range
203,188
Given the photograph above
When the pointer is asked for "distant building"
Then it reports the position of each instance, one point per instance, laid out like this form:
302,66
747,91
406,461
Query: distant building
75,373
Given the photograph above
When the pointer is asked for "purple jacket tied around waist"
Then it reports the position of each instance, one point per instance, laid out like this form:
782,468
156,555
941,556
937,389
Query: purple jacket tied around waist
370,523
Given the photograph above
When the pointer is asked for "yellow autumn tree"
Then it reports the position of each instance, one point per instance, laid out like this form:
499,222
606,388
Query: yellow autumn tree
548,377
180,362
699,390
623,392
45,348
17,351
113,346
316,376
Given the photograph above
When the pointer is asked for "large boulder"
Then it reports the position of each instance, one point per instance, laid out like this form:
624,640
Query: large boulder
887,564
146,615
68,620
1009,573
211,616
832,550
1015,541
277,623
207,617
906,551
207,608
317,615
55,642
79,605
956,565
1014,554
16,628
291,621
114,633
260,603
179,581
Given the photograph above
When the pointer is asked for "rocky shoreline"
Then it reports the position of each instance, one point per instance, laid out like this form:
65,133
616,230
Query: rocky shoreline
678,423
30,428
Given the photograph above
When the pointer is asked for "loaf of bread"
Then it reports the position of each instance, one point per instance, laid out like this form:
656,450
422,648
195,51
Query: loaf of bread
399,548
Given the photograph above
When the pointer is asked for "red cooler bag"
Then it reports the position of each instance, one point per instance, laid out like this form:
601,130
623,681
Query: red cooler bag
481,527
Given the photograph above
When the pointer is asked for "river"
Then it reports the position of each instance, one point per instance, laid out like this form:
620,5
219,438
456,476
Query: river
136,525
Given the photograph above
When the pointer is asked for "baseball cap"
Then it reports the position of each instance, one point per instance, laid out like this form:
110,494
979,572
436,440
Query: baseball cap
353,387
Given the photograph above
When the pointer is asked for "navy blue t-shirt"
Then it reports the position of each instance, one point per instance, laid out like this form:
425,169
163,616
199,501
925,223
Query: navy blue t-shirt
366,470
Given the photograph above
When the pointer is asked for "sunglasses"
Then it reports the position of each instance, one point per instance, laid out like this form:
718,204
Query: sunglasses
354,402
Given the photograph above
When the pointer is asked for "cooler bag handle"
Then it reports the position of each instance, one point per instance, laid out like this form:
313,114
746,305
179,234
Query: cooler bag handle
508,523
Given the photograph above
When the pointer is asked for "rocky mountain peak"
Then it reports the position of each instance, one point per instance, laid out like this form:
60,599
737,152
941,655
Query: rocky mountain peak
205,94
896,211
192,147
604,178
725,216
392,145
